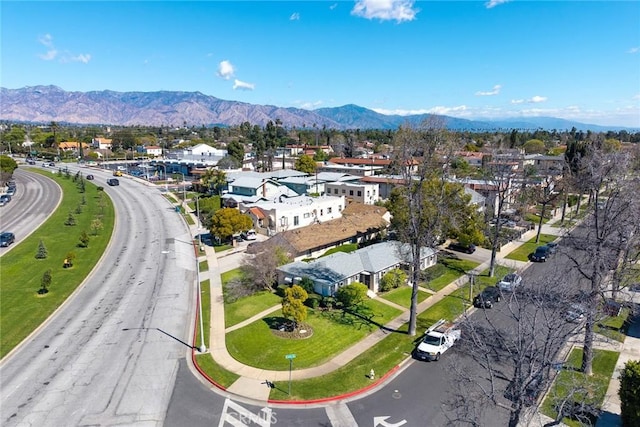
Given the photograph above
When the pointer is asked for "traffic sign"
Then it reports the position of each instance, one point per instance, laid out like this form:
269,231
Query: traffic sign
290,356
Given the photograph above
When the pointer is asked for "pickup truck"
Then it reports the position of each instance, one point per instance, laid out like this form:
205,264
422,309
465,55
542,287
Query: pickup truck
438,338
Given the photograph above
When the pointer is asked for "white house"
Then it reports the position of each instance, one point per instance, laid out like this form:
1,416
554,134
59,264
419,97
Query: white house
289,213
101,143
367,265
153,150
366,193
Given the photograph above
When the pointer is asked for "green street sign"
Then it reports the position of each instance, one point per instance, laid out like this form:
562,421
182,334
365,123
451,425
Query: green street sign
290,356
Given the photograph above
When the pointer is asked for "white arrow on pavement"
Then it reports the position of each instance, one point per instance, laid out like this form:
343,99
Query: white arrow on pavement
382,421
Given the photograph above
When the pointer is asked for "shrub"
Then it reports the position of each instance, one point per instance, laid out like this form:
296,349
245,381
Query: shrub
281,289
45,282
352,294
306,284
630,393
84,240
313,301
42,251
392,279
71,220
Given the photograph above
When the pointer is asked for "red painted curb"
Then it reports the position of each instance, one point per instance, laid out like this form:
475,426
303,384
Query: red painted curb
339,397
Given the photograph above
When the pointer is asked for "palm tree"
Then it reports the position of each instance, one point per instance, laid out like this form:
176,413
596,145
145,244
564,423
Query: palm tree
214,179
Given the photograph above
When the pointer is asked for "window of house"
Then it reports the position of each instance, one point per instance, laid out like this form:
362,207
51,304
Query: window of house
359,193
307,215
335,191
296,220
351,192
321,212
283,221
328,210
343,191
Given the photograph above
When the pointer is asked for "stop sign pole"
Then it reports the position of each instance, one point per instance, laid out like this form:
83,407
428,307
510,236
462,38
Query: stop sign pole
290,357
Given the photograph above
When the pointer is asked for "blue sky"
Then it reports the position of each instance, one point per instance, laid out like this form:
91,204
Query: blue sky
578,60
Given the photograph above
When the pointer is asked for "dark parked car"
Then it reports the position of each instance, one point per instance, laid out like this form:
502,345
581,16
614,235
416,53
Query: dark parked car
7,238
553,247
456,246
489,296
541,254
5,198
90,177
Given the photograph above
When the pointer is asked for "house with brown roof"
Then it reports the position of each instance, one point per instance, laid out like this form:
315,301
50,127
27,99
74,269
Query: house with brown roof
358,223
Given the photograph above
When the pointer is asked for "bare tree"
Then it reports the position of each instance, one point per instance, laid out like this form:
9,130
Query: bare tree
260,268
427,206
507,356
604,241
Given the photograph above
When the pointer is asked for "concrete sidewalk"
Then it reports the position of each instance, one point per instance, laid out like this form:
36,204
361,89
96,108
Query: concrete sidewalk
251,383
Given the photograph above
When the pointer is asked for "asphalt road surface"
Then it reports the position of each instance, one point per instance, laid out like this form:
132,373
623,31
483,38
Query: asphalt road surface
110,354
36,197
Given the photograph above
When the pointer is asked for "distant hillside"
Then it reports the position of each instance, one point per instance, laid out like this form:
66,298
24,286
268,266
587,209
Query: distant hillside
42,104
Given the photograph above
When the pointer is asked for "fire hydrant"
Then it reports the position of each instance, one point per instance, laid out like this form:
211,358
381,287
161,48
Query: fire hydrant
372,374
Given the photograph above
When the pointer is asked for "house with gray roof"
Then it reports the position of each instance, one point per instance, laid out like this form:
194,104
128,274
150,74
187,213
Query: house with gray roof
367,265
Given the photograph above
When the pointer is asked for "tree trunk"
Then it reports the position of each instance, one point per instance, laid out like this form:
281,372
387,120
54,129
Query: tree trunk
587,350
415,279
564,206
540,223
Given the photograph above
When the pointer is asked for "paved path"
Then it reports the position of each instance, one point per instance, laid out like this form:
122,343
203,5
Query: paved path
251,383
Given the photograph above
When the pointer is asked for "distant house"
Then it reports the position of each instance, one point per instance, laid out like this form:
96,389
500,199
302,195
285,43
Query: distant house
101,143
367,265
72,146
153,150
367,193
359,223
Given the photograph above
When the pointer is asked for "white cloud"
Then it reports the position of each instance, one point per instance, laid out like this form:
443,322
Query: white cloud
237,84
537,99
83,57
386,10
493,3
47,41
533,100
634,50
636,97
333,6
458,110
64,57
494,91
226,70
308,105
294,17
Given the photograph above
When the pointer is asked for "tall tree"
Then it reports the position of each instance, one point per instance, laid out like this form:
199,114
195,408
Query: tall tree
426,206
228,221
599,245
305,164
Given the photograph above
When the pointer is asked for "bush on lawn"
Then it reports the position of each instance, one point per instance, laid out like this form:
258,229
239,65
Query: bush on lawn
630,393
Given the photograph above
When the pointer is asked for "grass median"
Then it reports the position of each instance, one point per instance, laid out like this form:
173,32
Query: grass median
22,309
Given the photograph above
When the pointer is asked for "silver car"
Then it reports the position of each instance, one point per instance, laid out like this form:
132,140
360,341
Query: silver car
510,282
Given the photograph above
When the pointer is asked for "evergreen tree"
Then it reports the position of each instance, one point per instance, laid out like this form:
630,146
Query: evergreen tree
42,251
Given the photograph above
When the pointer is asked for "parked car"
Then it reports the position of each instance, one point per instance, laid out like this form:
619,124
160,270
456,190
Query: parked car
553,247
249,235
489,296
456,246
575,313
510,282
5,198
113,182
7,238
541,254
52,164
90,177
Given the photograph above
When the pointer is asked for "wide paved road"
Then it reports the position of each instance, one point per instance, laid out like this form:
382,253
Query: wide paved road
36,197
110,355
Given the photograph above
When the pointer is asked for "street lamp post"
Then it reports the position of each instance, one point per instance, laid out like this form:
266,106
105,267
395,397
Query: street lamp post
198,218
166,186
202,348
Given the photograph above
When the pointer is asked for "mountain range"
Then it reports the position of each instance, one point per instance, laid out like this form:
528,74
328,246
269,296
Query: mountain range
44,104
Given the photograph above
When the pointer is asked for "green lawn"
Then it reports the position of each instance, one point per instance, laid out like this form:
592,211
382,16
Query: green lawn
203,266
205,295
522,252
244,308
22,310
227,276
402,296
382,357
216,372
446,271
612,327
333,332
222,248
590,389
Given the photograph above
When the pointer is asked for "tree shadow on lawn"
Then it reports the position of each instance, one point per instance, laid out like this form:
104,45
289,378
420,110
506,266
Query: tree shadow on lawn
360,317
